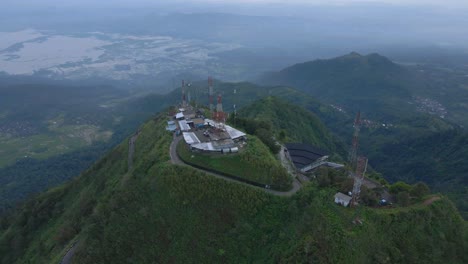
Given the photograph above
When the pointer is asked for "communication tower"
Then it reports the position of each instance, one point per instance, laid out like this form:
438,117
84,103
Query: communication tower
219,115
184,101
361,168
355,144
210,92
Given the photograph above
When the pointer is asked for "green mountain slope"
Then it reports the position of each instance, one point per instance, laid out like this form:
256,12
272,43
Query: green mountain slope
368,82
380,87
159,212
290,123
438,159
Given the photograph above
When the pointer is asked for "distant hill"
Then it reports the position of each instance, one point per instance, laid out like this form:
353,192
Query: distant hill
378,86
358,82
159,212
406,109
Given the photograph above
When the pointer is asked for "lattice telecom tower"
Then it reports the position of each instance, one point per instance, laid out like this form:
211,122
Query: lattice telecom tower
361,168
355,144
210,93
219,115
184,101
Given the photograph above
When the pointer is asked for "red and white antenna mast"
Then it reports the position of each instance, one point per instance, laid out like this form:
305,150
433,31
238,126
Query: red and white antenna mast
219,110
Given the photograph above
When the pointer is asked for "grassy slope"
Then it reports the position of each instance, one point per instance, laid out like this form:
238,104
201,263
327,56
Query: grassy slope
255,163
165,213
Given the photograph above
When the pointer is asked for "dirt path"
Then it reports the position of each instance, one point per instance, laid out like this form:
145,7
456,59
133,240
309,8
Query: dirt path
70,253
431,200
176,160
131,149
285,161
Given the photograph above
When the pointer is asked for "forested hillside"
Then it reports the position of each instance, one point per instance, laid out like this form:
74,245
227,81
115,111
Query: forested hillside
289,123
380,87
438,159
167,213
368,83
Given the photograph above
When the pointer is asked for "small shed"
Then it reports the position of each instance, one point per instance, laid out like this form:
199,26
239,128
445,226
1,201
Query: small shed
198,122
171,126
342,199
179,116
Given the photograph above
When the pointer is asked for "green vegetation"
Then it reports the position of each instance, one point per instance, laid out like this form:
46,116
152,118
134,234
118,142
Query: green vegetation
50,133
438,160
370,83
165,213
286,122
418,145
56,142
254,163
41,121
262,129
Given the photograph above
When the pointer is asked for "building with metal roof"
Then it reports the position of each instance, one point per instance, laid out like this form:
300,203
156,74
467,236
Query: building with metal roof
183,125
342,199
234,133
204,146
190,138
303,154
179,115
171,126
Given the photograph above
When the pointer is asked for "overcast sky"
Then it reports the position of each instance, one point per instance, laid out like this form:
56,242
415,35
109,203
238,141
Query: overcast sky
440,3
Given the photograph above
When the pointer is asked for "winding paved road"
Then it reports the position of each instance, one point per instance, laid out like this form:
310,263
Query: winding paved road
176,160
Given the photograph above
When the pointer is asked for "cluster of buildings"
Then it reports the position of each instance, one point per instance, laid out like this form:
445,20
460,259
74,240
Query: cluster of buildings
203,134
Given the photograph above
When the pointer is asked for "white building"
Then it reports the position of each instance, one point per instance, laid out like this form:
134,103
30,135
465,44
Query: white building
179,116
190,138
183,125
342,199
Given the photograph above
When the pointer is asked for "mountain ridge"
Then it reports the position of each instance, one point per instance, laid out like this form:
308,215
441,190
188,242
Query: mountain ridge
167,213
